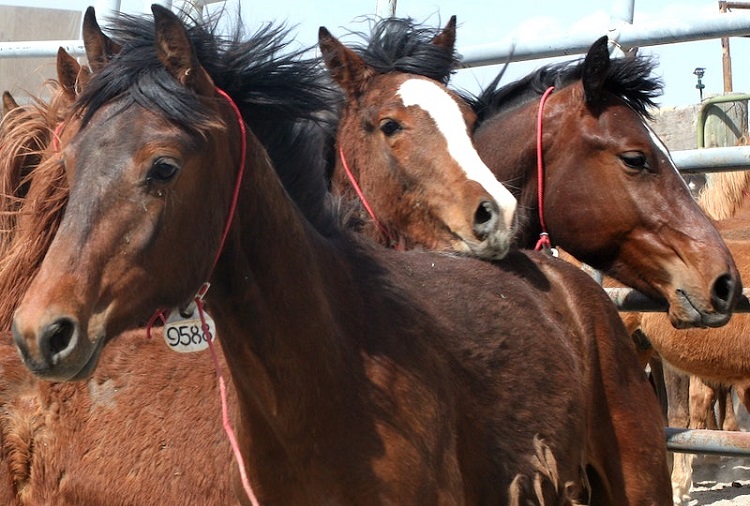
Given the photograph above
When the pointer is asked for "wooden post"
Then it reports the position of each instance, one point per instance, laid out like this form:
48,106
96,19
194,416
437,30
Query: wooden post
726,57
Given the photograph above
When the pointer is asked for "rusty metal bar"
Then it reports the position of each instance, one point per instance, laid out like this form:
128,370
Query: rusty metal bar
714,442
629,300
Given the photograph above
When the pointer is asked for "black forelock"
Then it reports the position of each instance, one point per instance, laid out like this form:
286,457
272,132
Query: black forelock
282,94
403,45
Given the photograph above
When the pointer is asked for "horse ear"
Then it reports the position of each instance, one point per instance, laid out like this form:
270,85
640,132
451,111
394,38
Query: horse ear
84,76
68,69
99,48
447,38
346,67
595,70
175,51
9,103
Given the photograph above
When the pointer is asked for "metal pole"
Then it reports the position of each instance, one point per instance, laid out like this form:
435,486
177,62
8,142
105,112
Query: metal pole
682,30
106,8
703,161
726,58
385,8
715,442
622,10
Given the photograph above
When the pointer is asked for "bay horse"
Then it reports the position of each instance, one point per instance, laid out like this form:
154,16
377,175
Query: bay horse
363,375
598,151
121,437
715,363
70,439
611,195
166,404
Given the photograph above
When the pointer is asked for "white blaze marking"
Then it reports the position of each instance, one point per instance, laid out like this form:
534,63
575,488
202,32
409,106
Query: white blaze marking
450,122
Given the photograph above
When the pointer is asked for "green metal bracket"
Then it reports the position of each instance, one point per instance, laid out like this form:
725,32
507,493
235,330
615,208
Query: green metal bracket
721,99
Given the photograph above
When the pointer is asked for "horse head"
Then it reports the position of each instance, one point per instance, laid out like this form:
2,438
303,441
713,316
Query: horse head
404,148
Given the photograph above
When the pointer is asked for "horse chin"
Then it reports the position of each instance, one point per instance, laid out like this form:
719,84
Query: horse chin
684,314
494,247
90,365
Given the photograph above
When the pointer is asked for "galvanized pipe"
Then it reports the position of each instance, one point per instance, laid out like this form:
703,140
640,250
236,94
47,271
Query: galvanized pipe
713,442
694,161
627,36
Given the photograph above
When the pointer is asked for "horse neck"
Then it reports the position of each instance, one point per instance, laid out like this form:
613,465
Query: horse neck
506,142
270,296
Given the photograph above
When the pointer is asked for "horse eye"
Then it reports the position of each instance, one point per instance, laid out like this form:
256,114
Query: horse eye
389,127
635,160
162,171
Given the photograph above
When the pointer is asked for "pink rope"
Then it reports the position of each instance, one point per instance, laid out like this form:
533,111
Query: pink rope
56,136
544,241
224,408
362,198
199,304
240,173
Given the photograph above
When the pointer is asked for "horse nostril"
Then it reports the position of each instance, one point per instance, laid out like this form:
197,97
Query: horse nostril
485,219
723,293
56,337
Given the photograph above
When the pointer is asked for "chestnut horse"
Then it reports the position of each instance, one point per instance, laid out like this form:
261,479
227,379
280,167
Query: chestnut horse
611,195
401,121
363,375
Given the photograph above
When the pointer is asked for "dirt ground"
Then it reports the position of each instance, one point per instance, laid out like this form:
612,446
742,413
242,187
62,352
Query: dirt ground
720,481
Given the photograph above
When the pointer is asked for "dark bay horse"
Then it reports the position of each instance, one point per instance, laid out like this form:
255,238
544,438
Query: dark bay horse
611,194
363,375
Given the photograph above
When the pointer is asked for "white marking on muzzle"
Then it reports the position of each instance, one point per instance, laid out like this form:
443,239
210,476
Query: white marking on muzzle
450,122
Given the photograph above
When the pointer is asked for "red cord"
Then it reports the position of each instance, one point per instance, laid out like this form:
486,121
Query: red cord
544,241
199,304
361,196
56,136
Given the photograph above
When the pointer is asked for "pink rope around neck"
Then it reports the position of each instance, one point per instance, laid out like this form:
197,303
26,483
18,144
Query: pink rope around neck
362,198
544,241
199,304
240,172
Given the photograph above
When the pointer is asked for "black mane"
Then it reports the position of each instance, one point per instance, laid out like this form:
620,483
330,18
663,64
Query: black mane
402,44
284,97
629,78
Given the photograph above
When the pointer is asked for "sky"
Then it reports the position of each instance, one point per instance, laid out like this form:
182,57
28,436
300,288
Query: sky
485,21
